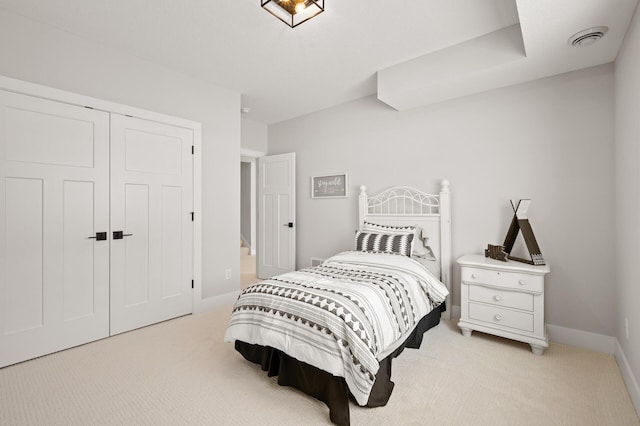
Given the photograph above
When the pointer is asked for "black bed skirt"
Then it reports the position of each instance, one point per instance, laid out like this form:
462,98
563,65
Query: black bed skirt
325,387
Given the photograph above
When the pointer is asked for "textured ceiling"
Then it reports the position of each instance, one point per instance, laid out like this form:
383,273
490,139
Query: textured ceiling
444,48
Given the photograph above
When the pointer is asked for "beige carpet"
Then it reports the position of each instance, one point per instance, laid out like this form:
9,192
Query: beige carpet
181,373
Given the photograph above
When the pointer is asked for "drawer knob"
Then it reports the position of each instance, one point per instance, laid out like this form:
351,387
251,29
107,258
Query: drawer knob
521,282
498,317
497,298
474,276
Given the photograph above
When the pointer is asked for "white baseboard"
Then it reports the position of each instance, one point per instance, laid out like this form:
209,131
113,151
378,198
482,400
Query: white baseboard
455,312
211,303
581,339
628,377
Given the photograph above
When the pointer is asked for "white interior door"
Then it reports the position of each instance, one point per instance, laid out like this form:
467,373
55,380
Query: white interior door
276,215
151,205
54,198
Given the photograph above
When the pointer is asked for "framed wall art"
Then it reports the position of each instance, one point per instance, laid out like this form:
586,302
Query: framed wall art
329,186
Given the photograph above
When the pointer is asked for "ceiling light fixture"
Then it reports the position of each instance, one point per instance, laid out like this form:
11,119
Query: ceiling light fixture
293,12
588,36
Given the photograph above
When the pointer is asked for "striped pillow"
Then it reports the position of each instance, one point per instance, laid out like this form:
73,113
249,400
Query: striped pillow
391,230
386,243
419,246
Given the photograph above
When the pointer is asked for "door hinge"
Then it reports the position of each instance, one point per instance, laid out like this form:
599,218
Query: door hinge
192,216
193,149
191,283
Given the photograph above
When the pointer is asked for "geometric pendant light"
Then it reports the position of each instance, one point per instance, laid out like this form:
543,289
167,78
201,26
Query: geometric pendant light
293,12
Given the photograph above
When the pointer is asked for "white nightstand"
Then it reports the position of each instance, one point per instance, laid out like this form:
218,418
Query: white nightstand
503,298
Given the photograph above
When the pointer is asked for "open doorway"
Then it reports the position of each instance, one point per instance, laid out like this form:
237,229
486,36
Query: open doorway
248,217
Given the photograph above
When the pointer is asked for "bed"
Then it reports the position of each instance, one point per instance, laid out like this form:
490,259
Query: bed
333,330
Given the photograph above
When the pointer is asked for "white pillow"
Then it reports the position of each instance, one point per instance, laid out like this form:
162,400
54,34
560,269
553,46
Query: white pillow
420,248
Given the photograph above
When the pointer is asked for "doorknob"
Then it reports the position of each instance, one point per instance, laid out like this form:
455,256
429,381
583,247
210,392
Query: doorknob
290,224
118,235
100,236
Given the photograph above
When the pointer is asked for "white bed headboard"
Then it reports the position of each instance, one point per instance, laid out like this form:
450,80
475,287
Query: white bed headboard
402,205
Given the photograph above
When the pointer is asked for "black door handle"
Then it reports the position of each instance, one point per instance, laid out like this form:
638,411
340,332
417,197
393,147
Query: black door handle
100,236
118,235
290,224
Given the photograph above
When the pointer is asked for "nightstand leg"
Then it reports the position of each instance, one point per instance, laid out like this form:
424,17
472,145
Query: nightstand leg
537,350
466,332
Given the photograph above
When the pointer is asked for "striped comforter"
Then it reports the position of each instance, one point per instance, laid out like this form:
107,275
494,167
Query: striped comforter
342,316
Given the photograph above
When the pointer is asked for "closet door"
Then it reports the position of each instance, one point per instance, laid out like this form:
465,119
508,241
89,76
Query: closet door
54,199
151,205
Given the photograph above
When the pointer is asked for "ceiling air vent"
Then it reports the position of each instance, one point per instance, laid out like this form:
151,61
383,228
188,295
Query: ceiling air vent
588,36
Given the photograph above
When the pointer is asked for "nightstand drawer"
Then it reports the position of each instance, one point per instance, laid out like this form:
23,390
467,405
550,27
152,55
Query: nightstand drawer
510,299
514,280
503,317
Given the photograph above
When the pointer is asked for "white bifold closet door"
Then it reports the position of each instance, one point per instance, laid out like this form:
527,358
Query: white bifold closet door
96,231
54,198
151,204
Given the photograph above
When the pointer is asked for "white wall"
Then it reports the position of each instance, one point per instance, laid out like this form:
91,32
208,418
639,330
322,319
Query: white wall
254,135
627,161
44,55
550,140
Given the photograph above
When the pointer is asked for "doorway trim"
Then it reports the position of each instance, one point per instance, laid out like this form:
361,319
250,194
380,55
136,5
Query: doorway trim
251,157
